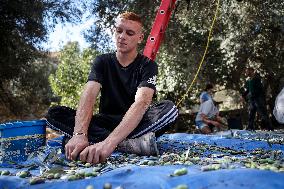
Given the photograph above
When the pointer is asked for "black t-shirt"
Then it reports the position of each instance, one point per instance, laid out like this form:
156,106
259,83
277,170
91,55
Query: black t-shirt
119,84
254,88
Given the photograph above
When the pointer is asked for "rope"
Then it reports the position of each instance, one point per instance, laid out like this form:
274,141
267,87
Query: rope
203,57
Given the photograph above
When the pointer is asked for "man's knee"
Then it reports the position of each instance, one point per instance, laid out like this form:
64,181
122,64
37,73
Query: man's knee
163,109
170,106
60,112
159,117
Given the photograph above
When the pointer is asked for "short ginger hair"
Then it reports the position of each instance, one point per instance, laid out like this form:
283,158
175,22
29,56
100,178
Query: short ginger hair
131,16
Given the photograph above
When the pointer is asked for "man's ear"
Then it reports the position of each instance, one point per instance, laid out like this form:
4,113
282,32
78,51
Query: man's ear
141,37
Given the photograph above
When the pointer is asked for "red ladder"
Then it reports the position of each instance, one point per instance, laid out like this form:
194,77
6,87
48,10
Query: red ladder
159,28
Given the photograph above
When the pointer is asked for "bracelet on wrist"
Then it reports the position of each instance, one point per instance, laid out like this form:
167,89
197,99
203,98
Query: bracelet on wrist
76,134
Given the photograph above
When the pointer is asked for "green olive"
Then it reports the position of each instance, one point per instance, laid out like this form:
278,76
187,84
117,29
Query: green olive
95,169
179,172
90,187
36,180
107,186
94,174
168,163
80,175
89,174
72,164
88,165
181,186
57,175
5,172
72,177
23,174
151,163
210,167
50,176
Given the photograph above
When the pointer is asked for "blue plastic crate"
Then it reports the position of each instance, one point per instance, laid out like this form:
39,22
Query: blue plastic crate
21,138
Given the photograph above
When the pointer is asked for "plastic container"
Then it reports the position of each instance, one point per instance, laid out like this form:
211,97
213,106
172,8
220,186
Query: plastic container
20,138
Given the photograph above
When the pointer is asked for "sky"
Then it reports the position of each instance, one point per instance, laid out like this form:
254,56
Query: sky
68,32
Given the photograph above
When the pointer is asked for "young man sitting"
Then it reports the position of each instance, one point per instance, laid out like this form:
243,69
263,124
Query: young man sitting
127,118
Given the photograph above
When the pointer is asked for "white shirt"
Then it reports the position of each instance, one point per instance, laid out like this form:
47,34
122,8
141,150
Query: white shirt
207,108
279,107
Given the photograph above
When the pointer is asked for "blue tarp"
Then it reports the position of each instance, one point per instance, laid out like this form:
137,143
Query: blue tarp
200,148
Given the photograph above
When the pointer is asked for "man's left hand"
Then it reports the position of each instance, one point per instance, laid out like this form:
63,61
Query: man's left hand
216,124
97,153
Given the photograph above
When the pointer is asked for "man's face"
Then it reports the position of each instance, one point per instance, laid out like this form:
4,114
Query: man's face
249,72
128,34
211,91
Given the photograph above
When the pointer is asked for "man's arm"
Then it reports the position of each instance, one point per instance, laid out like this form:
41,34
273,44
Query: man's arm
245,91
214,122
84,112
100,151
133,116
82,120
207,107
205,118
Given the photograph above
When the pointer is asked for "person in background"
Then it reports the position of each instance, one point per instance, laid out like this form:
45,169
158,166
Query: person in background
208,119
127,118
278,111
254,94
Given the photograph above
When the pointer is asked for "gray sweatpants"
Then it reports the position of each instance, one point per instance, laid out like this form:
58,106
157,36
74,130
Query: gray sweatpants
158,118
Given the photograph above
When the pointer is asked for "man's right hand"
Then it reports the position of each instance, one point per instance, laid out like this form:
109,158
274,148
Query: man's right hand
216,124
75,145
